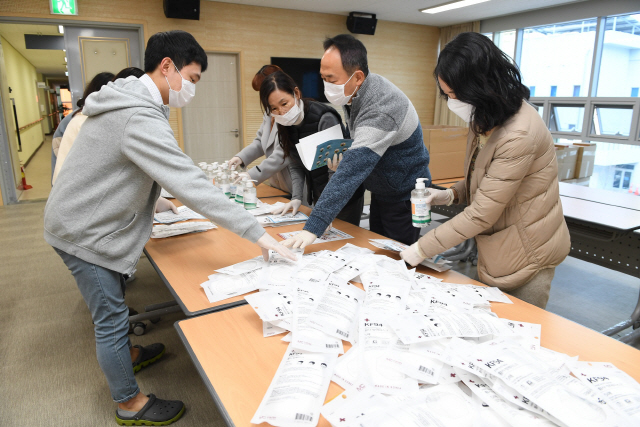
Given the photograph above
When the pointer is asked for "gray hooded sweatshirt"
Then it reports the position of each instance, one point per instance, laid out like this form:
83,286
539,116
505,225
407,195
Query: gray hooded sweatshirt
102,204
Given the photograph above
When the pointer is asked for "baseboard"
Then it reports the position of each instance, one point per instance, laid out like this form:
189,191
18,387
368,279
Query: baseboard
33,154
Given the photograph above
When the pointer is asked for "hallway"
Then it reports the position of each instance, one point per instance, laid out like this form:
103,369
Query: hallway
38,173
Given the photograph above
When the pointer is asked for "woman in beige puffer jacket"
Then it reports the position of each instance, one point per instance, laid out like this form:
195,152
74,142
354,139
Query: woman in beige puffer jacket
511,175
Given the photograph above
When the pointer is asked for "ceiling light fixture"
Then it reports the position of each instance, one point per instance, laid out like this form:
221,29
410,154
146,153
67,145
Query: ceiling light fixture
65,59
451,6
66,73
61,29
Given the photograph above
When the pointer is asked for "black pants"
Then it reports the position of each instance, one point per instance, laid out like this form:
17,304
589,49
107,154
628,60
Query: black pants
393,220
352,211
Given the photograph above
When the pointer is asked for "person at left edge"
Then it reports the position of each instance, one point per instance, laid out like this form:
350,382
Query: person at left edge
124,153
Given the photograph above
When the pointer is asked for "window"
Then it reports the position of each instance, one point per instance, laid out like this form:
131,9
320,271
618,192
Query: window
617,167
559,54
620,63
532,91
612,120
634,92
540,109
506,41
566,118
488,35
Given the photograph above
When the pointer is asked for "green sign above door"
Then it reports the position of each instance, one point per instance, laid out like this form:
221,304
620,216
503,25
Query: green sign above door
64,7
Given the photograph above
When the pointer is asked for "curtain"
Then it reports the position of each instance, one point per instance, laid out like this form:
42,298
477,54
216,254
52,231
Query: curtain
444,116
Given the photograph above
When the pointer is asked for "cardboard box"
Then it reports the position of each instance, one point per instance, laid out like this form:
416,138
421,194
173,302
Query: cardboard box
447,146
585,160
567,156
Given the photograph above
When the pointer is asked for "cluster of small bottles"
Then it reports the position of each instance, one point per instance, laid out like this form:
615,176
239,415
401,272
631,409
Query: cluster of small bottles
226,179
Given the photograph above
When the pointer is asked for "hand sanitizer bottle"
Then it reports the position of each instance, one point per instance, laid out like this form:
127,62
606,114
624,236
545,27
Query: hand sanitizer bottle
240,191
250,195
224,184
233,187
420,209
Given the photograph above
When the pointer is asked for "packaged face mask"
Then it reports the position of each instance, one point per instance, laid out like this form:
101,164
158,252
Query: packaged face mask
386,295
271,305
443,405
376,338
422,368
297,390
515,415
355,267
616,386
559,396
278,271
355,402
490,293
320,267
425,278
305,337
531,332
336,311
243,267
427,301
413,328
347,369
222,286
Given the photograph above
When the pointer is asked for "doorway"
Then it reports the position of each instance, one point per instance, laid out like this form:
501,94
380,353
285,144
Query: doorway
212,120
44,68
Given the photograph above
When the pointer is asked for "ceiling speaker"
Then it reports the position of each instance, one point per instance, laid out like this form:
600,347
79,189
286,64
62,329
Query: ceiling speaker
182,9
362,23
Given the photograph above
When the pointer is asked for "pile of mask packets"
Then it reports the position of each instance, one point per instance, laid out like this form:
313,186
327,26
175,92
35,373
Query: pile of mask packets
424,352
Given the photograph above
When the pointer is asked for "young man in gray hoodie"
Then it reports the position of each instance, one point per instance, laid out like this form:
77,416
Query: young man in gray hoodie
100,212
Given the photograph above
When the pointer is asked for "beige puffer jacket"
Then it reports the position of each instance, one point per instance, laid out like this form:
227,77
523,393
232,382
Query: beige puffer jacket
514,209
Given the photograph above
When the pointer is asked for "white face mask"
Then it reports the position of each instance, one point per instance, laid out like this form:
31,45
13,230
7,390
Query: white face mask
335,93
178,99
461,109
294,116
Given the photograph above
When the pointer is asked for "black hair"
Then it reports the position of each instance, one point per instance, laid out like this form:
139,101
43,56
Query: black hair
128,72
94,85
480,74
180,46
281,81
352,52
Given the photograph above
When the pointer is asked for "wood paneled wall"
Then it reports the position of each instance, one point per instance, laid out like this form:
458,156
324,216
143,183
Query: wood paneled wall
403,53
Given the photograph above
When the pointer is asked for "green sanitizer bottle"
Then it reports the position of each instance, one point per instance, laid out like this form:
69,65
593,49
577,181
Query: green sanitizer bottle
250,195
240,191
420,209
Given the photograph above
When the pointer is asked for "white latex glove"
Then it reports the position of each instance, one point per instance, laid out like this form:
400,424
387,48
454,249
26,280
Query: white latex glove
413,255
267,242
440,197
235,161
337,158
300,240
328,228
164,205
294,204
241,175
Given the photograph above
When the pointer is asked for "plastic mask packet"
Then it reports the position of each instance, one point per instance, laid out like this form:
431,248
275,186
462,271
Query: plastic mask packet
349,248
278,271
336,311
222,286
442,405
412,328
425,301
616,386
352,404
490,293
461,292
388,292
423,368
298,389
269,329
272,305
486,416
531,332
376,338
355,267
304,336
320,267
347,369
244,266
572,406
515,415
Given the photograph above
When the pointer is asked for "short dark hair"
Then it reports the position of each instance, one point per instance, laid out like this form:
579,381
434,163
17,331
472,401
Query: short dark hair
261,74
180,46
128,72
94,85
352,52
480,74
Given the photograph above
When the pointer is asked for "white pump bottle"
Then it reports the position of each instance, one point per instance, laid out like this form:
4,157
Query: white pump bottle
420,209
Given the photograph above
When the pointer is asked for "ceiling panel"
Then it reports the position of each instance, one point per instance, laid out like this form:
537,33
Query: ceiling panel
408,10
49,62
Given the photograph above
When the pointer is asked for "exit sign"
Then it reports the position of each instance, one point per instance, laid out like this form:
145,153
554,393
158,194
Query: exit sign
64,7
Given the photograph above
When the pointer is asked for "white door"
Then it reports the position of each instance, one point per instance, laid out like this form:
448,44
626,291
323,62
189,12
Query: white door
211,122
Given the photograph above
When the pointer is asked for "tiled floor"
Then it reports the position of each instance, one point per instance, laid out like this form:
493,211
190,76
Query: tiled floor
38,173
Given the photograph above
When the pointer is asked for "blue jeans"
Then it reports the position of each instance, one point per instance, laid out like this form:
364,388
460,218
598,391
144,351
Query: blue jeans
103,291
